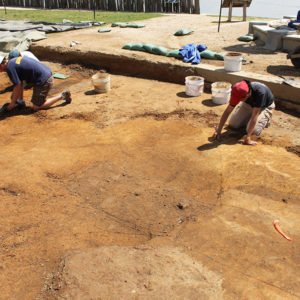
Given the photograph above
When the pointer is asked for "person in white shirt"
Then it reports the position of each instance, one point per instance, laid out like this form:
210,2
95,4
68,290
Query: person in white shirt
16,53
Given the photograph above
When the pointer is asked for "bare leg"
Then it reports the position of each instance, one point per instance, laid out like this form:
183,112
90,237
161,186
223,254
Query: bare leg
49,102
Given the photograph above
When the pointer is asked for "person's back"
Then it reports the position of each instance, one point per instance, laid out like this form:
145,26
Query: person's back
261,95
28,69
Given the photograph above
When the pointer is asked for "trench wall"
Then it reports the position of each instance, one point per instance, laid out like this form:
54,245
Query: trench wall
159,69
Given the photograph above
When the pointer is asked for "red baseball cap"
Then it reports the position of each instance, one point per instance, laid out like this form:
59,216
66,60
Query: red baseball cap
238,91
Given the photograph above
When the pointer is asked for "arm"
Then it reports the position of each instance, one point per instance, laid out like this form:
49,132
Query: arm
255,113
17,91
223,119
21,92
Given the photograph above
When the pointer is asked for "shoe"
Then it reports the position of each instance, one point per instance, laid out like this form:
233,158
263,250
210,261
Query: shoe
21,103
66,95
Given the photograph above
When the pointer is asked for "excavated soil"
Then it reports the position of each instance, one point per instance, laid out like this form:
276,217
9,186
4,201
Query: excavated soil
124,195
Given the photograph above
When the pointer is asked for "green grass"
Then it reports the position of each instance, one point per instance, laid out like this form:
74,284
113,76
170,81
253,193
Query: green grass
57,16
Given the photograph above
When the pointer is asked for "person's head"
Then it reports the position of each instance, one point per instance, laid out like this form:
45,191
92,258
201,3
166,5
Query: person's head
3,63
13,53
240,92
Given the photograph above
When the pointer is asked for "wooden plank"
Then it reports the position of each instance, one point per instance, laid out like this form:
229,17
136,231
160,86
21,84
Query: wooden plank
236,3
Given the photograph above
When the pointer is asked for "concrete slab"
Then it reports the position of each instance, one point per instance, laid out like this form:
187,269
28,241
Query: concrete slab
291,42
261,31
274,38
252,23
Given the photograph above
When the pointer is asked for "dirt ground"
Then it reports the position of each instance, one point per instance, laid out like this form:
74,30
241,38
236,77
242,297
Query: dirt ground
124,195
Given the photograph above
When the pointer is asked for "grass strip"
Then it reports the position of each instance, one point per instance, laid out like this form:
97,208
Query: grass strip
57,16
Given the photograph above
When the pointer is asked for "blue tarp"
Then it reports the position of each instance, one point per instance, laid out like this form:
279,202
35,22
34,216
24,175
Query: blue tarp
191,53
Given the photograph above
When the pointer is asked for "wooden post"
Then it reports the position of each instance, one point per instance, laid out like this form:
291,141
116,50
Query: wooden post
197,6
230,11
244,11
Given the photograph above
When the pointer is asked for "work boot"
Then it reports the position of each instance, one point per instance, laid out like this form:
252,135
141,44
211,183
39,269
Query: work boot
66,95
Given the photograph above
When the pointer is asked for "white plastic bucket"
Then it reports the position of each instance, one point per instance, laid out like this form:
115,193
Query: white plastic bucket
233,62
101,82
221,92
194,85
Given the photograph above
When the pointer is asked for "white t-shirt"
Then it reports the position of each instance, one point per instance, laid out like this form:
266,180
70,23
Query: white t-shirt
29,54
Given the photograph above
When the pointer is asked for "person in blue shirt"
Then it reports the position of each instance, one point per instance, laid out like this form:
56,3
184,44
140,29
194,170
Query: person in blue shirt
297,21
20,69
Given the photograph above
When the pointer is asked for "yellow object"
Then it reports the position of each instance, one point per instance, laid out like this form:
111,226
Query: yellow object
18,60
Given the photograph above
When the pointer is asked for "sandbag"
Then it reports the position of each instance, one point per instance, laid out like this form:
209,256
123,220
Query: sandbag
246,38
174,53
136,25
183,32
123,25
160,50
104,30
208,54
116,24
127,46
149,47
219,55
137,47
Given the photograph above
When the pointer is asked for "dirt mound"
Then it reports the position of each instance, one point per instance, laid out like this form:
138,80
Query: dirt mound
137,273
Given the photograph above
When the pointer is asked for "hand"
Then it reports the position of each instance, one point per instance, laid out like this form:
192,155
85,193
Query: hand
11,106
248,141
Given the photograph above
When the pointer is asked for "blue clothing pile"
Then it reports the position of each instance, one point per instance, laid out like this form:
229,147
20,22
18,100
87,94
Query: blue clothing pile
191,53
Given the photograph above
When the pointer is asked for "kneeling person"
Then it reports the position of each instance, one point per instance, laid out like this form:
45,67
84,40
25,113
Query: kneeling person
22,69
254,112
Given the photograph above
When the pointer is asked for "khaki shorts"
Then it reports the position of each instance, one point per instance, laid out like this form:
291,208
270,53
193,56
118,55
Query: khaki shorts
242,116
40,92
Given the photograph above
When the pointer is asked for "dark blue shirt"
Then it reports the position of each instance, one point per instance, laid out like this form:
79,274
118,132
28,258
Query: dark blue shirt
261,95
28,69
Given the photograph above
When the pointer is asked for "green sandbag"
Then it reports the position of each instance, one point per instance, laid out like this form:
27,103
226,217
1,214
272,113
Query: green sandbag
208,54
116,24
174,53
136,25
160,50
246,38
148,47
219,55
127,46
123,25
137,47
183,32
104,30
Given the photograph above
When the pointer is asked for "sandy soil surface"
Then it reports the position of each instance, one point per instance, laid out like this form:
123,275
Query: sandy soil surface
160,32
131,180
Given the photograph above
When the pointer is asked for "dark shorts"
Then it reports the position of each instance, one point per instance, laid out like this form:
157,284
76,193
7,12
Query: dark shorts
40,92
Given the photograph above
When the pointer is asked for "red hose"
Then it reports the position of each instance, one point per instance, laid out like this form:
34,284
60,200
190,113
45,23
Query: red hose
280,231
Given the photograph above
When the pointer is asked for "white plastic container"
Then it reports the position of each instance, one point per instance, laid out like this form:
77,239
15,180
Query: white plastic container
194,85
233,62
101,82
221,92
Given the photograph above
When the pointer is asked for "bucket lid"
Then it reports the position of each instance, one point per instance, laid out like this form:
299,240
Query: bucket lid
221,85
233,54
